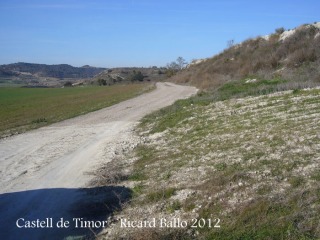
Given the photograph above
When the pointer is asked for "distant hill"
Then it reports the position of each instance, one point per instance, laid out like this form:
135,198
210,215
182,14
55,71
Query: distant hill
60,71
133,74
31,74
291,57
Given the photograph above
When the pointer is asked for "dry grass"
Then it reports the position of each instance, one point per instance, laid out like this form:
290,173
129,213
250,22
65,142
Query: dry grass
298,55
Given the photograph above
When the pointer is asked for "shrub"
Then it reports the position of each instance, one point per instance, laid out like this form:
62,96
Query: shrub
280,30
102,82
176,205
40,120
301,56
137,76
161,194
68,84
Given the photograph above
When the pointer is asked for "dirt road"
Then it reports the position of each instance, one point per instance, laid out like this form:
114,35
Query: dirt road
44,172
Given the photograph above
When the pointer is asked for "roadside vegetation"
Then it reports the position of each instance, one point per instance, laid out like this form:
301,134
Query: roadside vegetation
28,108
243,153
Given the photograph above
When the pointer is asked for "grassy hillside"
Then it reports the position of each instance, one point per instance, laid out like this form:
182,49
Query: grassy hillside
292,56
253,163
28,108
241,157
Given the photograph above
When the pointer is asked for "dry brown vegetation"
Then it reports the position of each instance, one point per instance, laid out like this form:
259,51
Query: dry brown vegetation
295,59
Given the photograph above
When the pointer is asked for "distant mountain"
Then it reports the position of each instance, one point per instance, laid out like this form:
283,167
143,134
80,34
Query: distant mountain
60,71
290,57
31,74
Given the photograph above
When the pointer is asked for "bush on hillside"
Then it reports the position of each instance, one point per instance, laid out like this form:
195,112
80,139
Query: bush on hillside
137,76
102,82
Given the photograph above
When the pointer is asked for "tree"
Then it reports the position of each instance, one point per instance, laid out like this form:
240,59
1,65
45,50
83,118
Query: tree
181,62
230,43
175,66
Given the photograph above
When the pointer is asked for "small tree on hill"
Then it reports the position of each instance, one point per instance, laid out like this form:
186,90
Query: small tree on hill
181,62
102,82
175,66
280,30
230,43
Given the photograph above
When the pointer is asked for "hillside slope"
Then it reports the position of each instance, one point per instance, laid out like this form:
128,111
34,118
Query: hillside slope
44,75
292,56
238,161
57,71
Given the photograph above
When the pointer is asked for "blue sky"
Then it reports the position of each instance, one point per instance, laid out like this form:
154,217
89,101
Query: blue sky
117,33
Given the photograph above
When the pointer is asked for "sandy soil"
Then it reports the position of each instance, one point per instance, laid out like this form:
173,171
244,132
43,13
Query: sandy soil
44,172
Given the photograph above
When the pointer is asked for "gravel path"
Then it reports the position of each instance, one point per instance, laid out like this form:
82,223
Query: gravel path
43,172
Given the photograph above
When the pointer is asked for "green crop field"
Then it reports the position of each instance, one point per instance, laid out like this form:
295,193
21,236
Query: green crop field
22,109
